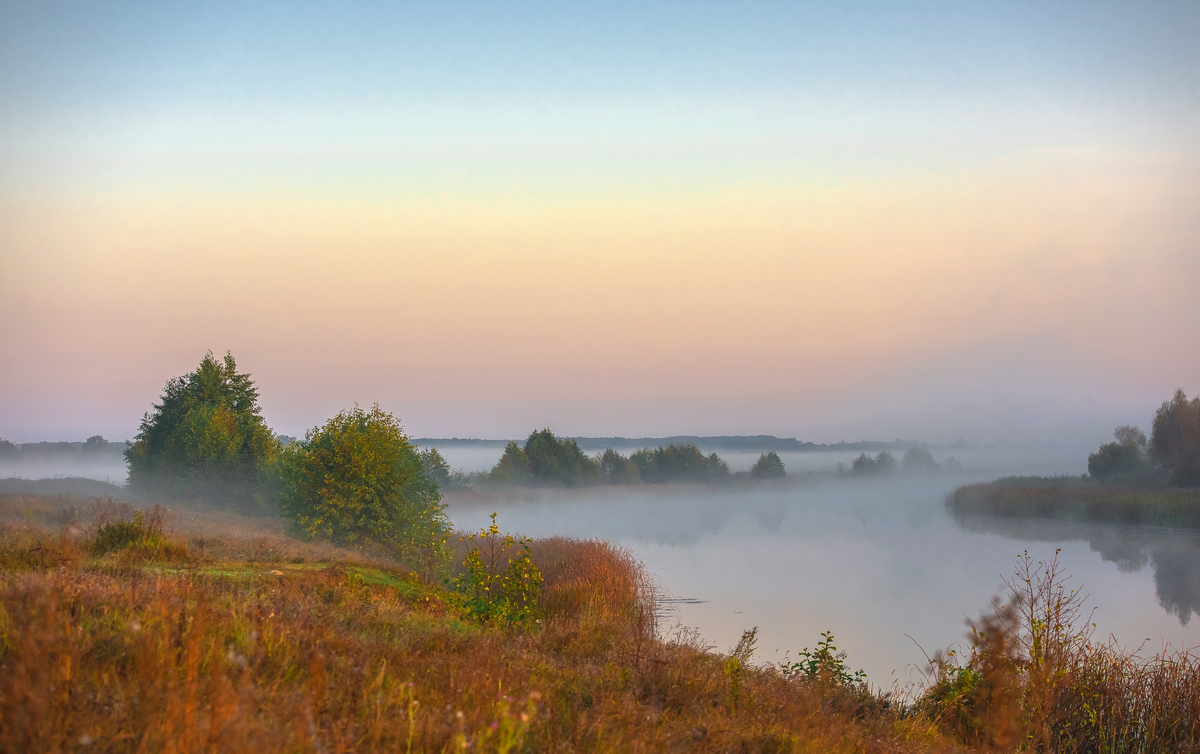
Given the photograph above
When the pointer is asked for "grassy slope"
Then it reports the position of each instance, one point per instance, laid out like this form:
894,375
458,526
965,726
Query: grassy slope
232,637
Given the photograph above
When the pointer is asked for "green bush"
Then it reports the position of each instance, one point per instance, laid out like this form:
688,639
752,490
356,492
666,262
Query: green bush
358,480
501,582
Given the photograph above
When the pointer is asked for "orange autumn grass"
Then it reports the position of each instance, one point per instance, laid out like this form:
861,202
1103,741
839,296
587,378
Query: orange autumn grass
253,642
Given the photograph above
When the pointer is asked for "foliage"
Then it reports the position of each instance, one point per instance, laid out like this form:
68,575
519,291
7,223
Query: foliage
682,462
513,467
825,664
1175,440
546,460
768,466
617,469
358,480
437,469
206,439
140,530
919,460
734,664
1036,680
865,465
501,582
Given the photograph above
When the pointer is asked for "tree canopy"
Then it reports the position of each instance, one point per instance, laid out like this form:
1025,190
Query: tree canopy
1175,440
205,439
358,480
546,460
768,466
1124,461
682,462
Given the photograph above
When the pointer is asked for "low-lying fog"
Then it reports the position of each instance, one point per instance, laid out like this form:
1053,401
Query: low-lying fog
874,561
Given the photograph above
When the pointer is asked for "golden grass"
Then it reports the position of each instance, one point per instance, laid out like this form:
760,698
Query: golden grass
252,643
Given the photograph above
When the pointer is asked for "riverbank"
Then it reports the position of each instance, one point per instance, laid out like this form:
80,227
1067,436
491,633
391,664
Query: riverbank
216,631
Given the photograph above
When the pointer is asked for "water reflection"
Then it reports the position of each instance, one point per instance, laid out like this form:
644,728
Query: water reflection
1173,554
874,561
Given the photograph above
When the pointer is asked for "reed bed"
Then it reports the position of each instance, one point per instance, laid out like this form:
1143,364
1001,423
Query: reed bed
1079,502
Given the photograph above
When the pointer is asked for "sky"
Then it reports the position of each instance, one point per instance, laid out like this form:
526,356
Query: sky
930,220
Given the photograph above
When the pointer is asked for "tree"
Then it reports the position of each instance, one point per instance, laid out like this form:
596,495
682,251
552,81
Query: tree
682,462
1175,440
513,467
768,466
1124,461
919,460
617,469
546,460
358,480
865,465
206,439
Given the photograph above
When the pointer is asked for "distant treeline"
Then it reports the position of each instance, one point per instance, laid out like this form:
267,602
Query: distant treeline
722,442
548,460
93,447
917,460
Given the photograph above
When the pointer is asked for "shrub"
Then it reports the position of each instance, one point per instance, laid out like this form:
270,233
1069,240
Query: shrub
501,582
206,440
768,466
359,481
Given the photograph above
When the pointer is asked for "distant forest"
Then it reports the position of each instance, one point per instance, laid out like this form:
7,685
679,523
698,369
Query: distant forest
94,447
722,442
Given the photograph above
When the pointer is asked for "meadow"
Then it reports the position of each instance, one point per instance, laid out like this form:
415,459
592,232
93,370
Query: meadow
128,628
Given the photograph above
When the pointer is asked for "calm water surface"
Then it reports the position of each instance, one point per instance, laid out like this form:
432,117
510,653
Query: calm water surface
877,562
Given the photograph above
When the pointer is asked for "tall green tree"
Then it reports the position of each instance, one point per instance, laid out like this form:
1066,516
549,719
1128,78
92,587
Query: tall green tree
1175,440
206,439
359,480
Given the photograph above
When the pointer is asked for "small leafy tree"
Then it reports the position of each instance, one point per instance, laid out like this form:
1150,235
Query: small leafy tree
768,466
1175,440
206,439
501,582
358,480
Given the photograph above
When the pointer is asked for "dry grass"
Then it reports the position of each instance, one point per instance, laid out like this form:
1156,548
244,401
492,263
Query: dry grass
1037,681
213,651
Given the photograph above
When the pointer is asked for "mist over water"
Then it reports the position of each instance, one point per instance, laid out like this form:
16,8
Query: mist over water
875,561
